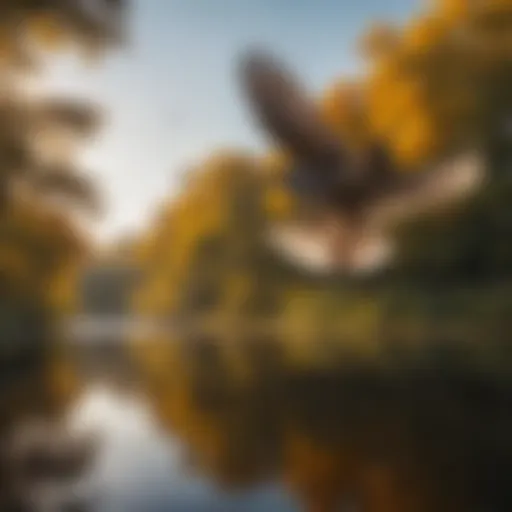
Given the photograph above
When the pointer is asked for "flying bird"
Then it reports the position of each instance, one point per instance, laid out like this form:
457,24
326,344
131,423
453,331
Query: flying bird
354,202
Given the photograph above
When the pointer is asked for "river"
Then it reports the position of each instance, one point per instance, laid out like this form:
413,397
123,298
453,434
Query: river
138,467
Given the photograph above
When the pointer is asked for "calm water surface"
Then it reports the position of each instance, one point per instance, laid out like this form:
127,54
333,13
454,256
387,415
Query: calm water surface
140,468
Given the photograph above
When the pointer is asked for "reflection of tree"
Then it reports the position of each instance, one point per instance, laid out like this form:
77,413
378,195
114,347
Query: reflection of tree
227,415
417,435
39,456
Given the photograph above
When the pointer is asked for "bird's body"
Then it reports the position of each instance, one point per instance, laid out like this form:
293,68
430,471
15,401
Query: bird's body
354,203
359,236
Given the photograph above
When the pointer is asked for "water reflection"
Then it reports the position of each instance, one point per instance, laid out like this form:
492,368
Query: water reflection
140,468
215,426
423,432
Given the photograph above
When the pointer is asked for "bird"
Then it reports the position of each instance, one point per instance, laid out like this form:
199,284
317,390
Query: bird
354,203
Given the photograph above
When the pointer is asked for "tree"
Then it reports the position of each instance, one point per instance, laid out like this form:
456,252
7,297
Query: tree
41,187
39,181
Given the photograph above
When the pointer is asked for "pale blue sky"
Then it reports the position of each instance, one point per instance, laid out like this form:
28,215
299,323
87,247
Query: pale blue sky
172,98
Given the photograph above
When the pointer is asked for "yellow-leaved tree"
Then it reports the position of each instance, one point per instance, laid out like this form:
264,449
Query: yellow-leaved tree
44,193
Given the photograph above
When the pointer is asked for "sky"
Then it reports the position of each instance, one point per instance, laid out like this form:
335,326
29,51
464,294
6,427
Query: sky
171,97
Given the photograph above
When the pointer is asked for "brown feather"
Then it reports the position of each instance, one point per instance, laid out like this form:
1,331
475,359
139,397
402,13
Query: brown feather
287,113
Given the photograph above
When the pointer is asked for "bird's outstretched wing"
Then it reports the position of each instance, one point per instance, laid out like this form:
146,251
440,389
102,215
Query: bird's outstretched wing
427,192
302,246
287,113
323,168
328,250
367,244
